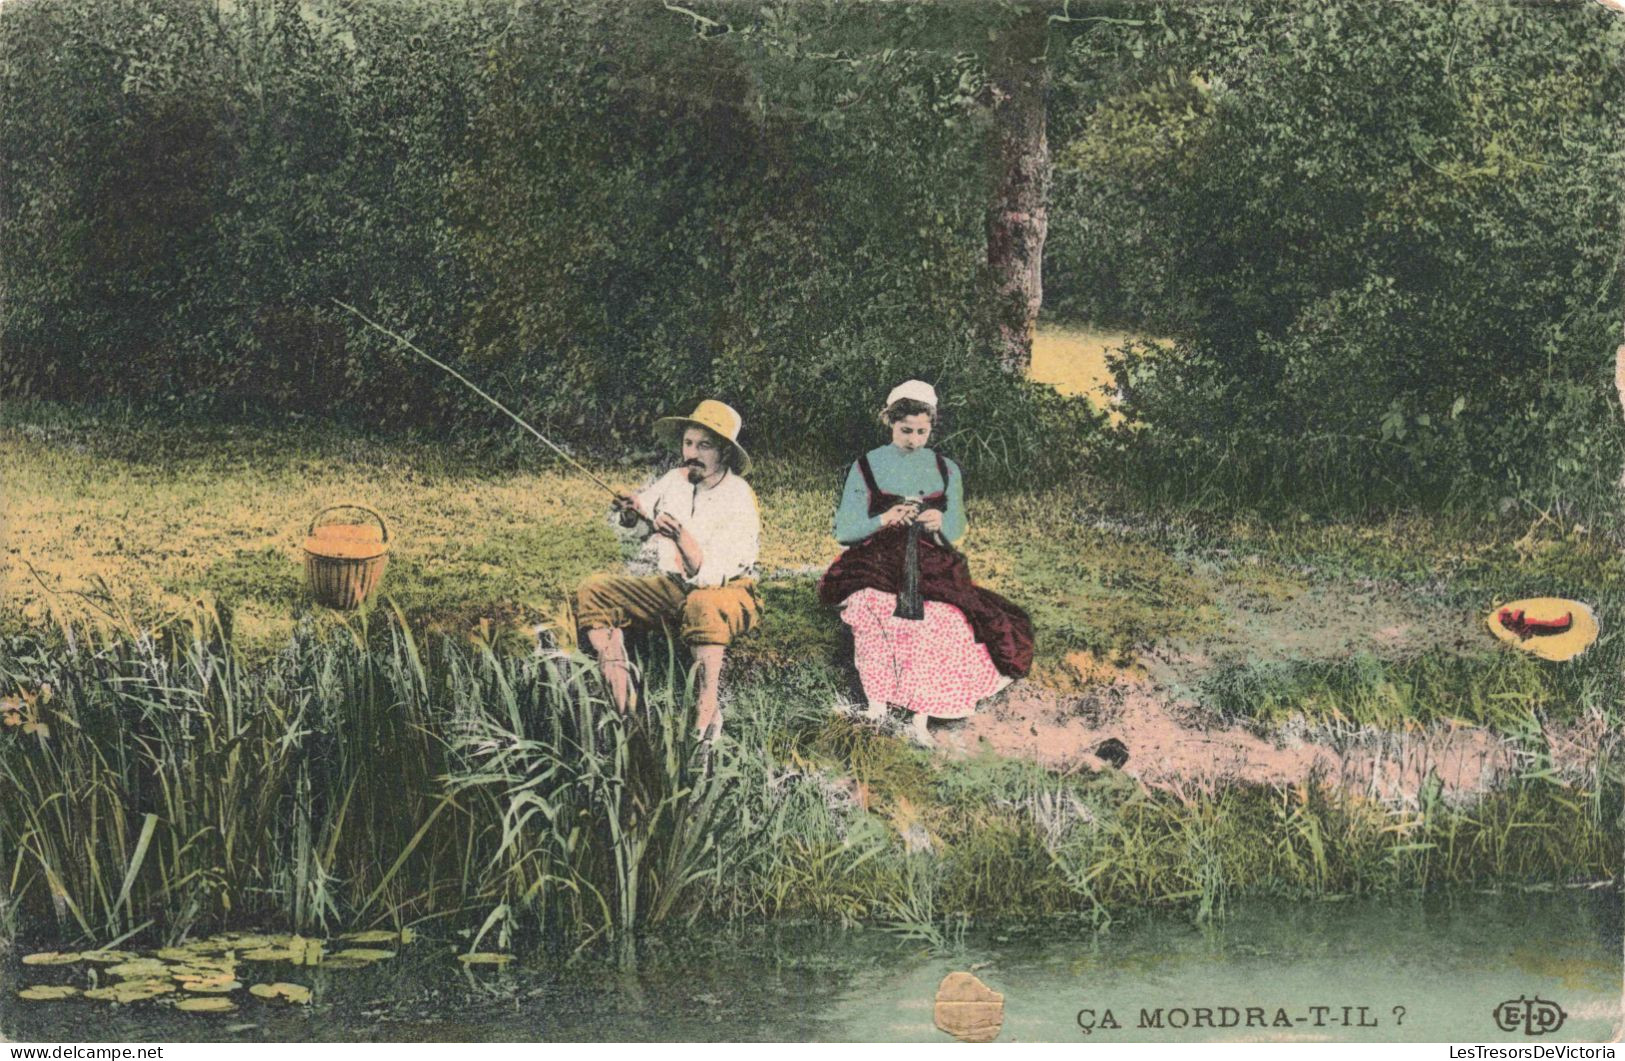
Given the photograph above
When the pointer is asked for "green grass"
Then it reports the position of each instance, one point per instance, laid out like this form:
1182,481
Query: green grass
1505,691
219,751
144,516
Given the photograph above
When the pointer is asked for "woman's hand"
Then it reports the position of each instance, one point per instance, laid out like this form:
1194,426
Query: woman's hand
931,520
899,515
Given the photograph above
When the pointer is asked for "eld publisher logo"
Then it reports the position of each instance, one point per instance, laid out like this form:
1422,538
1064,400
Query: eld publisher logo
1534,1016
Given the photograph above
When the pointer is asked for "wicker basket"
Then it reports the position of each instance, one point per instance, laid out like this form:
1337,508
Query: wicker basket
344,561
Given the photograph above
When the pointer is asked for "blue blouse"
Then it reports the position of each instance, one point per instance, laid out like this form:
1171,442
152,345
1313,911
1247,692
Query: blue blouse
910,475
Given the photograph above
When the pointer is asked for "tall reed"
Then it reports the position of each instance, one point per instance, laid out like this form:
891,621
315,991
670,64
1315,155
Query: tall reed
155,782
353,778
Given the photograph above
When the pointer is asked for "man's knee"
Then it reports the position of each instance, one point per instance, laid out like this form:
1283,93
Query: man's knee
592,588
717,616
595,605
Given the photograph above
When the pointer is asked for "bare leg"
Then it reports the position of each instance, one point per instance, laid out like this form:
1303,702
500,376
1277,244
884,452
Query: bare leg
920,732
609,645
708,665
876,712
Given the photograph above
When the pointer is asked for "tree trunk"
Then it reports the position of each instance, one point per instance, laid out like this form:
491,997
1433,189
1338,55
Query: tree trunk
1019,215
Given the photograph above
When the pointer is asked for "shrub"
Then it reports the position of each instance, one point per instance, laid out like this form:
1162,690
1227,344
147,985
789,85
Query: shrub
599,213
1385,239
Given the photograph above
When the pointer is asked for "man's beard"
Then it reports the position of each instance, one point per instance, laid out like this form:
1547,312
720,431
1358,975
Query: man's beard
696,471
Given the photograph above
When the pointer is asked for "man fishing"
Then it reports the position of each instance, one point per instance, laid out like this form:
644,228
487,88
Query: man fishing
701,519
702,522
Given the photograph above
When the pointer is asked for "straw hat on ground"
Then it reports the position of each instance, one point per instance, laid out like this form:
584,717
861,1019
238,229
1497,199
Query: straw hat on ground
1550,627
713,416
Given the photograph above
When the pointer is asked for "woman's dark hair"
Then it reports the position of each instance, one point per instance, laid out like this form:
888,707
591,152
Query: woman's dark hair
904,407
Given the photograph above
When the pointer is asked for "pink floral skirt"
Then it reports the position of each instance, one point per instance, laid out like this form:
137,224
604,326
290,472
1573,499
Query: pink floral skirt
932,666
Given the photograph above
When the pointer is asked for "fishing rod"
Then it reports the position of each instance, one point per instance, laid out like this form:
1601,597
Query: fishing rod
471,385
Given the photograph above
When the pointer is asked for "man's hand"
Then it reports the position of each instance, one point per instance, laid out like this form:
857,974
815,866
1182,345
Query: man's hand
627,507
899,515
688,546
931,520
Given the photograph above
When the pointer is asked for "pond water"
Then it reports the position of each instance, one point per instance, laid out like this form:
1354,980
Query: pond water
1414,969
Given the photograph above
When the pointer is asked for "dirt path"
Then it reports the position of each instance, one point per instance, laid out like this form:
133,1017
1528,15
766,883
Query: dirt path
1177,742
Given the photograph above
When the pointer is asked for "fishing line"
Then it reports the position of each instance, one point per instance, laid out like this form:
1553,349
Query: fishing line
471,385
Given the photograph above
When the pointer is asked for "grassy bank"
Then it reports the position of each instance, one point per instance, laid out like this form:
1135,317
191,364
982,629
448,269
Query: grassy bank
128,515
363,777
195,744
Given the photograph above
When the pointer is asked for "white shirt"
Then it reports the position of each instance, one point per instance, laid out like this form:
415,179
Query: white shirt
722,519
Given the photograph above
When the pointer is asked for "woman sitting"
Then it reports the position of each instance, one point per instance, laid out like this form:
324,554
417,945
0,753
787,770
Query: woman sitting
901,512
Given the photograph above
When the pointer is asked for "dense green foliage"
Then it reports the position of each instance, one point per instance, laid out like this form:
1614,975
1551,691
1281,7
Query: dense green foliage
601,210
1384,238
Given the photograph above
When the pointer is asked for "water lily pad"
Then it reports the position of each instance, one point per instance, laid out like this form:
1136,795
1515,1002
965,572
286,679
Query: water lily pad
364,954
131,991
184,953
485,958
273,954
204,969
206,1005
293,994
212,987
312,950
407,935
107,957
140,969
48,993
51,957
204,976
379,935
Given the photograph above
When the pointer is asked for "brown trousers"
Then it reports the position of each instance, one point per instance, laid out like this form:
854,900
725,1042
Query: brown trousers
706,616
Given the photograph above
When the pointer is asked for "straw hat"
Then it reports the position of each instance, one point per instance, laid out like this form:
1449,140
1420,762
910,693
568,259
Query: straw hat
713,416
1550,627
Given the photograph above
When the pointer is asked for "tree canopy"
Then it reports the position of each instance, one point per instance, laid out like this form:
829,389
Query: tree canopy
1383,240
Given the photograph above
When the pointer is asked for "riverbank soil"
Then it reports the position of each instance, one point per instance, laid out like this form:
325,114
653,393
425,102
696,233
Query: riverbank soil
1176,736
